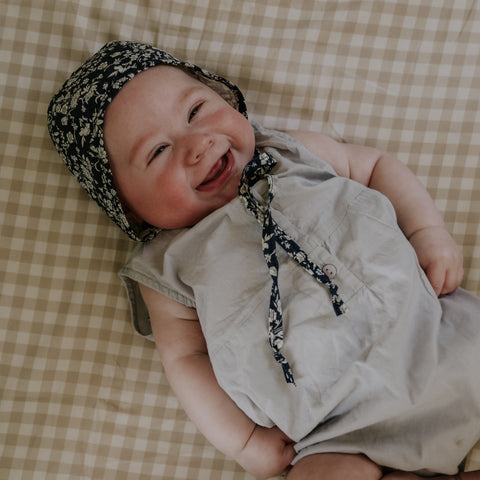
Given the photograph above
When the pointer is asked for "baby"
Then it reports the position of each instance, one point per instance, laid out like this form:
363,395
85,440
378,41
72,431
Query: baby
290,282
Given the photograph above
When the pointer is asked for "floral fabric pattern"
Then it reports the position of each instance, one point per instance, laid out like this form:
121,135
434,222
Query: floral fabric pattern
272,234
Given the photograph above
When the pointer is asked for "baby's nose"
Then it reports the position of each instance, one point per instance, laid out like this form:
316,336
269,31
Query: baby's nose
197,146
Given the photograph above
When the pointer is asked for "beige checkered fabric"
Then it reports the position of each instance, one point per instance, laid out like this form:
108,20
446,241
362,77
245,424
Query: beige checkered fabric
82,397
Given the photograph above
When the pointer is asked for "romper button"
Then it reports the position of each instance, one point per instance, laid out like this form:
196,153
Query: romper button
330,270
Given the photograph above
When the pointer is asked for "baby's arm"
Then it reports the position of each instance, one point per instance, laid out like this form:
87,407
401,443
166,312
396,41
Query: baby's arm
417,215
263,452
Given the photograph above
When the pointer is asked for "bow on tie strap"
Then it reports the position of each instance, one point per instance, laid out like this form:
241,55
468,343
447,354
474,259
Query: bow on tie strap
257,169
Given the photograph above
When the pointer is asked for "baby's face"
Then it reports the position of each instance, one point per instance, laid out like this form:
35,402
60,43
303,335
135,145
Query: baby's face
176,148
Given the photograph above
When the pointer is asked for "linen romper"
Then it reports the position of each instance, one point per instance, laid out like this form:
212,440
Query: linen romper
394,377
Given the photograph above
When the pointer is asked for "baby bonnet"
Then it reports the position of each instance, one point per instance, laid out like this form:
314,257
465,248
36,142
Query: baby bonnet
76,115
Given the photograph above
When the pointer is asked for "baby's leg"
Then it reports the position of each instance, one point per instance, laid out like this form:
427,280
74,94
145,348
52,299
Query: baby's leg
410,476
335,466
342,466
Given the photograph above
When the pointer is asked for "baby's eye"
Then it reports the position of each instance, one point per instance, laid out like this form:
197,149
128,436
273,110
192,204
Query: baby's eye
194,112
157,152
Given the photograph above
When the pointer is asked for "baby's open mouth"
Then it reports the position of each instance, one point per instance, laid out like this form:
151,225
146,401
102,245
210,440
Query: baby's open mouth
216,174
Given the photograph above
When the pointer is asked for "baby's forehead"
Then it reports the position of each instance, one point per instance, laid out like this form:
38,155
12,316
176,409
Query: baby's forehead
166,82
172,73
161,76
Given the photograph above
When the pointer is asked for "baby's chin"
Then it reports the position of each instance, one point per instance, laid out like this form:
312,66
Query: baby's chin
215,202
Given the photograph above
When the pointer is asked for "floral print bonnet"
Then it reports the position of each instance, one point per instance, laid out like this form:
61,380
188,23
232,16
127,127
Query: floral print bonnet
76,115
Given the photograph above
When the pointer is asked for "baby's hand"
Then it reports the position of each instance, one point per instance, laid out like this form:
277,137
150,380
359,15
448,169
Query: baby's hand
440,258
267,453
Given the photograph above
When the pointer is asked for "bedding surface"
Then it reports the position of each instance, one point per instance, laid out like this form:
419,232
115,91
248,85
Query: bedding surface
82,396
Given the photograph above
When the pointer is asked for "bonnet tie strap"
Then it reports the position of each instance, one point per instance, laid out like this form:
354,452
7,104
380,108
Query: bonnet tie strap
255,170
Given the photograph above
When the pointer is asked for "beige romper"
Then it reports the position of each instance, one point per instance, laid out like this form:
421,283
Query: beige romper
395,377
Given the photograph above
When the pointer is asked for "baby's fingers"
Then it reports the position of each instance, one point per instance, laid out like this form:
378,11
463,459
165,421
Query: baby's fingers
444,280
453,279
436,276
440,257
